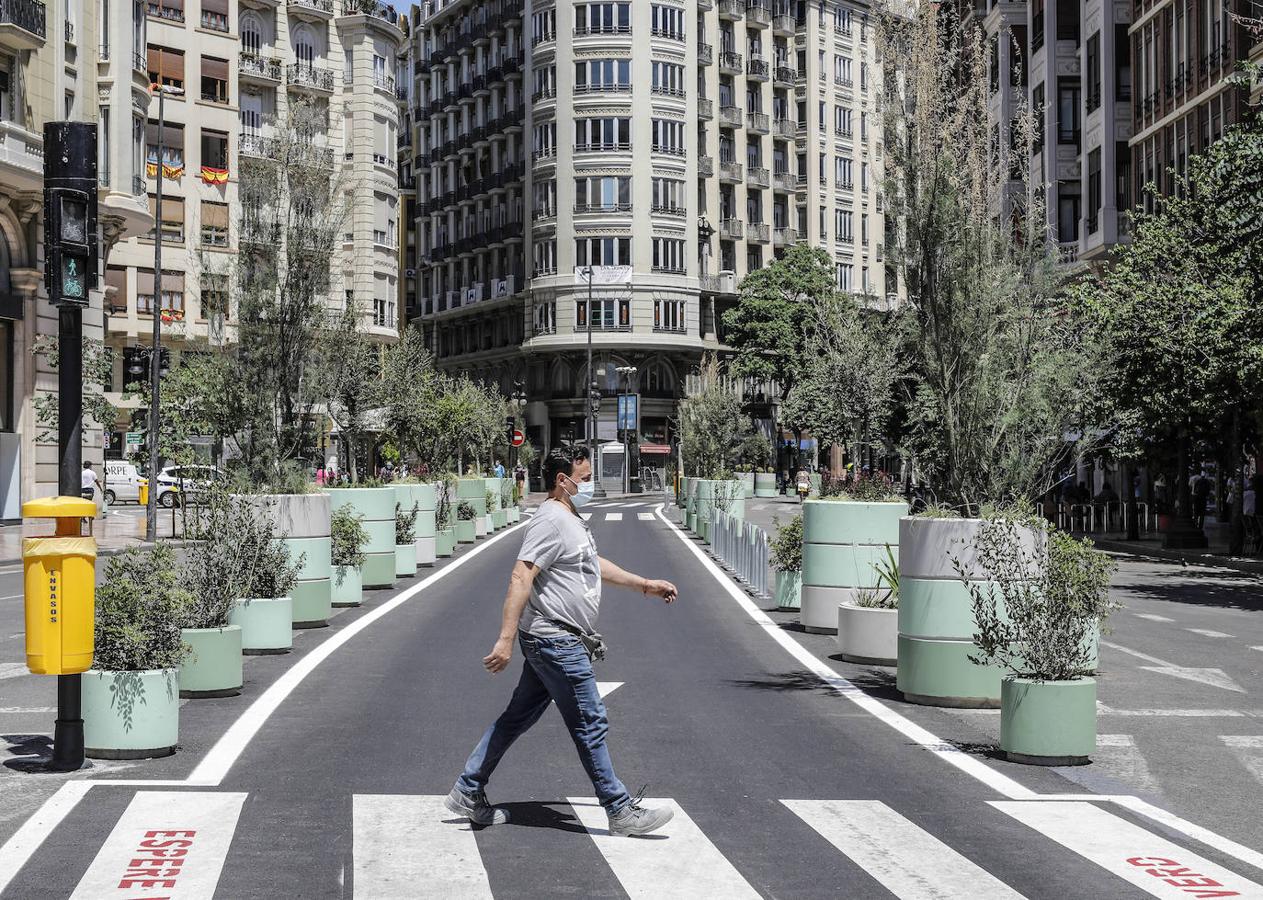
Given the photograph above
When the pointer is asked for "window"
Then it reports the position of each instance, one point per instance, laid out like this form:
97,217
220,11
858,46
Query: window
1122,64
668,315
166,67
602,134
1037,111
103,147
864,177
214,150
603,314
545,140
546,317
1067,215
668,256
172,150
609,192
842,174
214,224
545,198
382,76
1069,97
1092,71
668,137
844,225
863,76
668,195
993,65
304,45
545,78
545,257
215,15
846,275
667,21
1122,160
1094,190
602,75
864,229
842,121
172,300
1017,57
842,70
214,304
668,79
754,257
1068,21
251,34
754,207
544,26
842,20
171,10
602,18
603,251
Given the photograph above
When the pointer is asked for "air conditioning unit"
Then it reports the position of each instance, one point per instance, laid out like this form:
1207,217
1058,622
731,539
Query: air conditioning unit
471,295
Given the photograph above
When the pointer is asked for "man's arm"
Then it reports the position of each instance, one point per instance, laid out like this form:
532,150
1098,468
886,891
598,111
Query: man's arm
514,602
616,575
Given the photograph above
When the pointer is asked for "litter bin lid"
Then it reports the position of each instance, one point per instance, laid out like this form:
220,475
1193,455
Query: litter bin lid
58,508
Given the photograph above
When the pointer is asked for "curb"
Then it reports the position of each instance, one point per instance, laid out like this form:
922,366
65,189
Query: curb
115,551
1250,566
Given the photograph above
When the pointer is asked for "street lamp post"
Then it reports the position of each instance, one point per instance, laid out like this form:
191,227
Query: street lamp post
593,394
627,372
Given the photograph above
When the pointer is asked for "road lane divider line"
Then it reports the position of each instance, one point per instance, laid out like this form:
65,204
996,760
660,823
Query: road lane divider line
676,862
614,517
407,846
166,844
605,688
1118,755
1248,748
1155,865
907,860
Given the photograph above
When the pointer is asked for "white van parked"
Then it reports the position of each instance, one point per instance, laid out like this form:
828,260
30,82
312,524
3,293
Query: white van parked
122,482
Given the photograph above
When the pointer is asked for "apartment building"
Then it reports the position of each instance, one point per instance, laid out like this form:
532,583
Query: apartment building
238,65
49,70
688,141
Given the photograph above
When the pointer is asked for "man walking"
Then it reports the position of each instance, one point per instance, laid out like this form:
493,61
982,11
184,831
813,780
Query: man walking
551,608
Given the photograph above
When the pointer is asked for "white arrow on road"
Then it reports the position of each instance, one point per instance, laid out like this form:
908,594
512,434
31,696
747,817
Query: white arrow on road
605,688
1213,677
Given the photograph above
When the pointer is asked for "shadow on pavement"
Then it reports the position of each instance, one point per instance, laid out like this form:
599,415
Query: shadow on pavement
1200,588
541,815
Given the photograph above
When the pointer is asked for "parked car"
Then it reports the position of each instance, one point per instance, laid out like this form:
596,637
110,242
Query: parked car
191,480
122,482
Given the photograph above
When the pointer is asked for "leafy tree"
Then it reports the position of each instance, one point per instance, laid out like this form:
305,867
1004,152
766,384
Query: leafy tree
348,379
98,411
411,389
710,423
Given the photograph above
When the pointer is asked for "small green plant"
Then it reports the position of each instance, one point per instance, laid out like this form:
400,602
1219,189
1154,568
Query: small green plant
787,546
443,502
347,538
140,607
508,492
465,512
863,489
874,598
405,525
937,511
220,567
888,578
491,501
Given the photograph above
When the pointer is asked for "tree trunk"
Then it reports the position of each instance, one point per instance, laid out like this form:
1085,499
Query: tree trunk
1133,508
1183,532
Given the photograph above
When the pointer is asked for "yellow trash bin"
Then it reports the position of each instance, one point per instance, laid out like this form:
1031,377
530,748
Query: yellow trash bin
144,493
60,579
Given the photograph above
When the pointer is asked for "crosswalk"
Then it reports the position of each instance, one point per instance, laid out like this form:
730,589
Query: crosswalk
178,843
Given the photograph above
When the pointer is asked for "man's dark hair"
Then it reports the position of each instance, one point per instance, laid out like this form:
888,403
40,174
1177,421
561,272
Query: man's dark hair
561,462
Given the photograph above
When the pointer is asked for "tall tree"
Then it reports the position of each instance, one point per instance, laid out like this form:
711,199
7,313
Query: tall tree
711,424
346,371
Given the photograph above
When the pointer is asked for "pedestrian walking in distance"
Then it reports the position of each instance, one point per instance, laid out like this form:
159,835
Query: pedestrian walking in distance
551,610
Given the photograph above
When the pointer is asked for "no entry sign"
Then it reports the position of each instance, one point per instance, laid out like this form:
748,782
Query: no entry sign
518,437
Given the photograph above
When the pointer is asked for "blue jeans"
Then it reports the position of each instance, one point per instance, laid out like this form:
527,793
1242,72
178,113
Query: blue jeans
555,669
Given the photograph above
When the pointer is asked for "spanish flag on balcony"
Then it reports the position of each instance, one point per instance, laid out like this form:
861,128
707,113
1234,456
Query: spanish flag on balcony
214,176
168,171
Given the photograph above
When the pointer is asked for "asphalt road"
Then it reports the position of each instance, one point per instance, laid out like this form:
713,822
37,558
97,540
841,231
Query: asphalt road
785,786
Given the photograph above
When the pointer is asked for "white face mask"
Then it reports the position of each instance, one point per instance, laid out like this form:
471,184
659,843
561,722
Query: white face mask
583,494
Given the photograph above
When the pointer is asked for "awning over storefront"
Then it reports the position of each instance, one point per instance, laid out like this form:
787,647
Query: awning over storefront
662,449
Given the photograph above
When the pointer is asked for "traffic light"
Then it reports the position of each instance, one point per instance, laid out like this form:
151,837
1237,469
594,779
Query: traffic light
510,425
70,212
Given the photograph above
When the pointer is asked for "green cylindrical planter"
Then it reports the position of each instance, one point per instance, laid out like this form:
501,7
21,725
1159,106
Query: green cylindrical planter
213,666
789,590
765,484
500,518
348,586
843,542
131,715
474,492
266,624
747,483
425,498
466,531
1048,723
445,542
405,560
302,526
936,620
377,507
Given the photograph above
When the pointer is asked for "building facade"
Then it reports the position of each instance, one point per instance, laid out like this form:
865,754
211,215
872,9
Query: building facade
670,147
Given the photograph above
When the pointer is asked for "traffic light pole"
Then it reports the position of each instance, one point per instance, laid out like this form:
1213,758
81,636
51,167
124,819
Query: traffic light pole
597,489
155,352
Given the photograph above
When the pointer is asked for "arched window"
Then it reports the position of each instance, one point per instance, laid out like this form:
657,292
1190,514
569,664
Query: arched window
657,379
563,380
304,45
251,34
6,284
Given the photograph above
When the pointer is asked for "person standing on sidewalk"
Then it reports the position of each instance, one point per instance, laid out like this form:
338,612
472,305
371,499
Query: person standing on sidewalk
551,608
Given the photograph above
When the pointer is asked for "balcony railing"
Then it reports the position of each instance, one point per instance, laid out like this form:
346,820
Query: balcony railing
731,229
784,25
259,67
613,87
730,116
307,75
319,6
139,186
783,76
603,147
785,128
760,232
784,181
731,171
732,9
757,68
28,15
757,176
783,237
760,123
758,16
705,108
730,62
705,53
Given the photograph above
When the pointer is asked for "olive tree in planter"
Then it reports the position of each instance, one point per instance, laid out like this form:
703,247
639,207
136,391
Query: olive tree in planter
131,703
376,506
405,541
491,520
868,626
348,538
444,522
265,607
787,561
1038,613
466,523
510,496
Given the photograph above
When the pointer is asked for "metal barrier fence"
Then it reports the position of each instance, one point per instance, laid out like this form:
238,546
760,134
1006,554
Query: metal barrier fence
742,549
1098,518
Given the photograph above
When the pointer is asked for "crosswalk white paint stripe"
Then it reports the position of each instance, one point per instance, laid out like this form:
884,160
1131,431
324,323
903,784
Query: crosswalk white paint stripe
645,517
605,688
1118,755
907,860
1103,710
409,846
169,844
677,861
1206,632
1153,864
13,670
1249,749
1152,617
613,517
586,516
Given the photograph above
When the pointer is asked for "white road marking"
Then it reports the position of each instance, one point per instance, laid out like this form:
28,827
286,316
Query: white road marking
1260,647
1206,632
1249,749
12,596
1104,710
1119,756
908,861
23,710
1152,618
168,843
1153,864
645,517
1210,676
585,516
605,688
410,846
677,861
13,670
613,517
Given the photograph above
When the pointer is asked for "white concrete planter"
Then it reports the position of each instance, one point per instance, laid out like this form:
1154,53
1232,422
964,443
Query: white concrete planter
304,520
266,624
867,635
131,715
482,526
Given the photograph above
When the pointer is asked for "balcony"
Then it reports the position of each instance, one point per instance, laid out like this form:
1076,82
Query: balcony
759,123
785,129
705,108
604,147
760,232
732,10
758,17
730,230
705,167
784,26
723,283
581,208
258,69
23,24
757,69
784,182
319,10
784,237
757,176
613,87
21,157
783,77
251,143
730,117
705,54
306,77
730,63
705,5
731,172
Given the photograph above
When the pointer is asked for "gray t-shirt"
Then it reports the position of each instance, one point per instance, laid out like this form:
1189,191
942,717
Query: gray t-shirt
568,584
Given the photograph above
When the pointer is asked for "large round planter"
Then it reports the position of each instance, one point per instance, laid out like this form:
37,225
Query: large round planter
843,543
474,492
515,514
466,531
868,635
425,498
213,666
495,485
131,715
303,519
789,587
1048,723
747,483
936,620
266,624
405,560
483,526
729,498
765,484
704,506
500,518
348,586
445,542
376,507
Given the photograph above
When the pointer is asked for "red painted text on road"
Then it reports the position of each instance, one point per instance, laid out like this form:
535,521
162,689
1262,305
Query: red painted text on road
1182,877
157,862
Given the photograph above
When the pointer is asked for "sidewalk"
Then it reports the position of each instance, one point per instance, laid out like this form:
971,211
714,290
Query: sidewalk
123,527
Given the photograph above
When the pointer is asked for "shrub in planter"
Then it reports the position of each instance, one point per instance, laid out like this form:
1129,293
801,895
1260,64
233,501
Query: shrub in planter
489,524
787,560
466,523
1038,616
868,626
131,705
348,538
405,541
264,609
445,525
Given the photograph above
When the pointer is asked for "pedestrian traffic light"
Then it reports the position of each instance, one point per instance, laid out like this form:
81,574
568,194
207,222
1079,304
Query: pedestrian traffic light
70,212
510,425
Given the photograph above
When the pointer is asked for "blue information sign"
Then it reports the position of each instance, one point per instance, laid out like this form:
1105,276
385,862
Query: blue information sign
628,410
